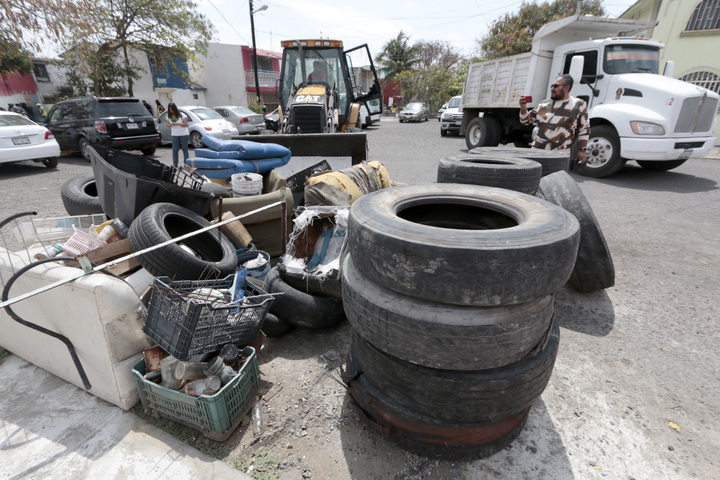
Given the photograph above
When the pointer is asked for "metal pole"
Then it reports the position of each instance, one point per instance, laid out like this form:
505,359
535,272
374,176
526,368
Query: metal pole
255,65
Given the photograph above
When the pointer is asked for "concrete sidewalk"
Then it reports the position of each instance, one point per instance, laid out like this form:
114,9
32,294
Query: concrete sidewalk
51,429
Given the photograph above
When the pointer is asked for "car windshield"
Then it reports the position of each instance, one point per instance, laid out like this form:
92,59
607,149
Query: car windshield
242,111
206,114
14,120
414,106
454,102
631,59
121,108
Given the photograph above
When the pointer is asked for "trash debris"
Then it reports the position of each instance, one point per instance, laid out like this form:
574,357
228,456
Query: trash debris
674,426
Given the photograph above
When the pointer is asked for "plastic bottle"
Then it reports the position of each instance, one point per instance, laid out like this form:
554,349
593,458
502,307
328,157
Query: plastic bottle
167,372
50,252
257,417
190,370
120,227
105,233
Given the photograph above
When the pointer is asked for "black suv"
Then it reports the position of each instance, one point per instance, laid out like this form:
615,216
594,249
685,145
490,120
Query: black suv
121,123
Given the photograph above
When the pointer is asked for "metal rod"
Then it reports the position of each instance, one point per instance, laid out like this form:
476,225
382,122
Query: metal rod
136,254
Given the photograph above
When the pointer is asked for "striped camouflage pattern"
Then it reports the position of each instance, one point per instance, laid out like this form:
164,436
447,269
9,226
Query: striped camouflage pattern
558,122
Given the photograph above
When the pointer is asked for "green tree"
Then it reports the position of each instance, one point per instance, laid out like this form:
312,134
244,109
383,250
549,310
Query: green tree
397,56
428,85
438,53
13,58
513,34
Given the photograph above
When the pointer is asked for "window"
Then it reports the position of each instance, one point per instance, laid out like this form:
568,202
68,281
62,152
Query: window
703,79
41,73
589,65
629,58
157,63
705,17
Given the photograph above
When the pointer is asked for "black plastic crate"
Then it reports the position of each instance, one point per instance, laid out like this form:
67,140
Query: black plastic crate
187,327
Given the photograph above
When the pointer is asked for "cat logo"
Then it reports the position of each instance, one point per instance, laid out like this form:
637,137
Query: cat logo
308,98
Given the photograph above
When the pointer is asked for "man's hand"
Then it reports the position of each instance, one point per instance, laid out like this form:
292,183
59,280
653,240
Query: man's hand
523,105
582,157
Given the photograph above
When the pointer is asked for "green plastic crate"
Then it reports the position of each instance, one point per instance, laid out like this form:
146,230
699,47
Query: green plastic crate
216,416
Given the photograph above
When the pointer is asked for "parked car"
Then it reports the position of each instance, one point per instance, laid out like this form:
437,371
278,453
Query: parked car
201,121
366,118
116,122
414,112
442,109
451,119
244,119
23,139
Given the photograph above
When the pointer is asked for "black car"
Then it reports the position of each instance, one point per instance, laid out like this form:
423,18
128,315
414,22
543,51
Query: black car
115,122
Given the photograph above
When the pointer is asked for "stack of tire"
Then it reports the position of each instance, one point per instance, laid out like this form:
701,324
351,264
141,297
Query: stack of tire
551,161
449,292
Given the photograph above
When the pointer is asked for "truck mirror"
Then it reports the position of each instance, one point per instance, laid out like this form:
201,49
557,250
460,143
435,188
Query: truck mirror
576,67
669,70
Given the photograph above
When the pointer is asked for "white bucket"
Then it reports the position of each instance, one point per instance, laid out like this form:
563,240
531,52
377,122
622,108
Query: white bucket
244,184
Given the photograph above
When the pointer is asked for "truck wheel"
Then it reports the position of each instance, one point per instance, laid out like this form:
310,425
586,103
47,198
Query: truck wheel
479,133
603,153
517,174
462,244
443,133
594,269
660,166
79,195
495,131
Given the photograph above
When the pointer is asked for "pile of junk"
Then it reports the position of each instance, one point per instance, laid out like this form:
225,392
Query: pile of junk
164,282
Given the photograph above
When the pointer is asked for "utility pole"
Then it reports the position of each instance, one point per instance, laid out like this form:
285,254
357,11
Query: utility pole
255,63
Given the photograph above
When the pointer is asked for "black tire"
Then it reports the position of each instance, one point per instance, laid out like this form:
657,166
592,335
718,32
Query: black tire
148,151
196,140
441,336
551,161
79,195
273,327
495,131
443,133
219,191
594,269
479,133
476,396
302,309
516,174
428,436
462,244
603,153
51,162
660,166
329,286
83,145
214,256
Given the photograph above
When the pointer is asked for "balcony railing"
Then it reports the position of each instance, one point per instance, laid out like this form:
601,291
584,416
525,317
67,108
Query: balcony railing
265,78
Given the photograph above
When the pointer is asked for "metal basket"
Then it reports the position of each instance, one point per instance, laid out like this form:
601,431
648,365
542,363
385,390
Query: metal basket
187,327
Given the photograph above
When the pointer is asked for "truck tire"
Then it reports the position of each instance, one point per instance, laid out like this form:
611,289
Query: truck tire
462,244
479,133
516,174
427,436
594,269
441,336
660,166
551,161
302,309
477,396
603,153
204,256
79,195
495,129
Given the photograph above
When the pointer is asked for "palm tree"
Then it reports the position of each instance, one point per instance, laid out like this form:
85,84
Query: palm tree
397,55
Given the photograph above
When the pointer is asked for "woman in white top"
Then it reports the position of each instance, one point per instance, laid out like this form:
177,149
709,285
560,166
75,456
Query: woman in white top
179,133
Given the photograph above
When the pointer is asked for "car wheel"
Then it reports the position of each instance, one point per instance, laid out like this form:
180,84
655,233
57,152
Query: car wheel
83,146
207,255
443,133
603,153
196,140
147,151
80,196
463,244
51,162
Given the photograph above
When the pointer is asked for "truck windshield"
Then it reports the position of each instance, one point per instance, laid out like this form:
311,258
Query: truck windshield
631,59
322,66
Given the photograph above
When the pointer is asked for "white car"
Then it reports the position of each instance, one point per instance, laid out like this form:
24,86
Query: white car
451,119
201,121
23,139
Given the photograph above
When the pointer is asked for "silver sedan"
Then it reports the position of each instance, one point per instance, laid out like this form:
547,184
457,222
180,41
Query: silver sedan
244,119
201,121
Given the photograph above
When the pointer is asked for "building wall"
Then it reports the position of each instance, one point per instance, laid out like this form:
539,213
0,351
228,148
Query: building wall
692,52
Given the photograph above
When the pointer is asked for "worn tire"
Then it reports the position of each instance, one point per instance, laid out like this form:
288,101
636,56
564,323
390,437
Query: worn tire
603,153
594,269
160,222
462,244
79,195
516,174
302,309
427,436
660,166
312,284
273,327
441,336
551,161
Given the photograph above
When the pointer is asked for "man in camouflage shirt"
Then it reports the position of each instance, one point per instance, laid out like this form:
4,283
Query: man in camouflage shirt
559,120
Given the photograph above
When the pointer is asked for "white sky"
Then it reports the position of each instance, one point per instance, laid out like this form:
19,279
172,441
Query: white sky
363,21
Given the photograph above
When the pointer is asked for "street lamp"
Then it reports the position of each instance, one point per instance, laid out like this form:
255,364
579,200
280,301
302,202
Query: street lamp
255,64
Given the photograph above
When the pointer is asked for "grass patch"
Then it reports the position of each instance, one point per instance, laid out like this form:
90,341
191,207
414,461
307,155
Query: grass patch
4,353
259,465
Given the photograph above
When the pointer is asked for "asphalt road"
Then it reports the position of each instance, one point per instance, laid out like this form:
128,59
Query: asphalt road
635,389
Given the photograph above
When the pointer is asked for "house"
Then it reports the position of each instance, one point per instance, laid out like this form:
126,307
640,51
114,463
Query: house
690,30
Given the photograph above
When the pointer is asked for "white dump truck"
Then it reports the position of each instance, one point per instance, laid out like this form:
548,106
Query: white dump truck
635,113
